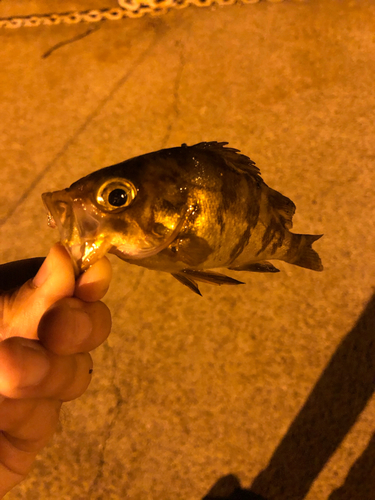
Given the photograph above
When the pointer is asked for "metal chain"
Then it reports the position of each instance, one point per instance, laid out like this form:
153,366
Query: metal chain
127,8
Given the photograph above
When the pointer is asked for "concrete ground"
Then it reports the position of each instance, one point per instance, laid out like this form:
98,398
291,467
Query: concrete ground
268,385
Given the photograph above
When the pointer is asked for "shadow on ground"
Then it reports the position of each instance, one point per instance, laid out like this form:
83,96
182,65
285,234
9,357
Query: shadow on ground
330,411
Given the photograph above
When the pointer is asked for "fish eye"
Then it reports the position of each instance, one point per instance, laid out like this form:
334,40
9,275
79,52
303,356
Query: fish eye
115,194
118,197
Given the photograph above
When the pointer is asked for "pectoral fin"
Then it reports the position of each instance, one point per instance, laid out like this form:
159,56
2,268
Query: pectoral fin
185,280
257,267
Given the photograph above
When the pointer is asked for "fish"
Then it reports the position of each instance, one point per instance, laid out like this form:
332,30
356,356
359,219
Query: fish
185,211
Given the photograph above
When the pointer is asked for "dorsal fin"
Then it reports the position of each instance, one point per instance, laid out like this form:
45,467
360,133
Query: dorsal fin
232,157
284,207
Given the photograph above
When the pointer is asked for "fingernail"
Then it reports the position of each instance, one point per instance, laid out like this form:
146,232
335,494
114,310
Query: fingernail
35,364
43,274
91,289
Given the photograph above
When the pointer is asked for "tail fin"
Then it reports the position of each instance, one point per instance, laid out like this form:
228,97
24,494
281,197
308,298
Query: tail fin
305,256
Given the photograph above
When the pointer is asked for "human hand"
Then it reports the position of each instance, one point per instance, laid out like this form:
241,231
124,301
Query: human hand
47,328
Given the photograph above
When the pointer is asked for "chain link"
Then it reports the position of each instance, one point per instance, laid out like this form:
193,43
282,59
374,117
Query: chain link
127,8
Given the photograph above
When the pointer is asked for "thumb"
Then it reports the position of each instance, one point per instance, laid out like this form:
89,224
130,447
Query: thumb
22,308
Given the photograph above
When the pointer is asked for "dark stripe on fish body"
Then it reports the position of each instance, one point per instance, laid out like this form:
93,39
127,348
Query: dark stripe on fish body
229,195
270,233
278,241
242,242
252,216
267,236
220,220
229,183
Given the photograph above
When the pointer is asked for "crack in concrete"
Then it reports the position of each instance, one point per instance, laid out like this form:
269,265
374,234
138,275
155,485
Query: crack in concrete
176,95
116,87
107,433
133,291
71,40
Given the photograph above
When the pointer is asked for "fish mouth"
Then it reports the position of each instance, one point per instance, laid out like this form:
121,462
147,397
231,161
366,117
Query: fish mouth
79,230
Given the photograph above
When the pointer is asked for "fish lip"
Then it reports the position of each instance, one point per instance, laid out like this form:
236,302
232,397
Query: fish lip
58,209
51,221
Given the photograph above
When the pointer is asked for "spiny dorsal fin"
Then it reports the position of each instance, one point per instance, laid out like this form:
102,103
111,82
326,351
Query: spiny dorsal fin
232,157
257,267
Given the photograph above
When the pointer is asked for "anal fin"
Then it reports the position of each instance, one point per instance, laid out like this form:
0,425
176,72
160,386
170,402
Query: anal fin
257,267
211,277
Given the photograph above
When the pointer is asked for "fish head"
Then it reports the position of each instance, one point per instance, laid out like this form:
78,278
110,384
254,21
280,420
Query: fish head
134,209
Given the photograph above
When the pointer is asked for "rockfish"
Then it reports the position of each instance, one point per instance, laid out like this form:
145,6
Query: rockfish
185,211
